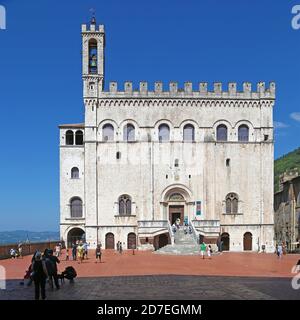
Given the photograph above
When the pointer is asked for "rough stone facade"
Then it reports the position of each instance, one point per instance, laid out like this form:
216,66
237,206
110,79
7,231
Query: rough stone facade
189,172
287,210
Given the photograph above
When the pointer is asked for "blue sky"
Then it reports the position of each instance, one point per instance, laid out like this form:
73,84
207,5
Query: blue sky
191,40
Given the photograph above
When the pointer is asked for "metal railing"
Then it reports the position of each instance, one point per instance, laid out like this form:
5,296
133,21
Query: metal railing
195,233
171,233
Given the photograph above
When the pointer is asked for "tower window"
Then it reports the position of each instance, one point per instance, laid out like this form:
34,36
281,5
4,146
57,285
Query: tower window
190,176
118,155
108,132
163,133
176,163
188,133
79,137
93,56
74,173
227,162
129,132
243,133
221,133
266,137
167,176
69,138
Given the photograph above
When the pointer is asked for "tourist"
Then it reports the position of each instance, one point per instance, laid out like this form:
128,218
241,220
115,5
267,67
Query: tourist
20,249
74,252
67,254
120,247
98,253
54,261
80,252
85,250
279,251
40,275
209,251
57,250
177,223
202,249
12,253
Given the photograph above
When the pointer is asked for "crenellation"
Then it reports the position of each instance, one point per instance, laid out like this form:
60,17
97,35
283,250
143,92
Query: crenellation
92,28
188,87
128,86
113,86
173,85
143,87
158,87
247,87
203,87
218,88
261,87
232,88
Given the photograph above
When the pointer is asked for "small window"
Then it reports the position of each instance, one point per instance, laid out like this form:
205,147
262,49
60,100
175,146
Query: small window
266,137
227,162
222,133
118,155
124,205
190,176
76,208
69,138
167,176
176,163
75,173
79,138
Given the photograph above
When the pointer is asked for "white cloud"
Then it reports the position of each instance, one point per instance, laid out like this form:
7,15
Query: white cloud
280,125
295,116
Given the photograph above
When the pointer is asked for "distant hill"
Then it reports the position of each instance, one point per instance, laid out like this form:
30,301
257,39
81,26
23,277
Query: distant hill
286,163
7,237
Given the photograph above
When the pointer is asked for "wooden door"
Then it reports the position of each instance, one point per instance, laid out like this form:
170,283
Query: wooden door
109,241
131,241
248,241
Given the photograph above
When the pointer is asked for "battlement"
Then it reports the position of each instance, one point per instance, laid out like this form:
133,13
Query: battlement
262,92
90,28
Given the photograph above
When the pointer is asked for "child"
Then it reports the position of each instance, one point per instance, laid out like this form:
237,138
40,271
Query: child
98,253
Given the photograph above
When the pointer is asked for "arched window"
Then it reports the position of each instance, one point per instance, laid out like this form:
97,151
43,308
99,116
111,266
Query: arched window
163,133
243,133
79,138
75,173
108,132
222,133
76,208
188,133
93,56
69,138
232,201
124,205
129,132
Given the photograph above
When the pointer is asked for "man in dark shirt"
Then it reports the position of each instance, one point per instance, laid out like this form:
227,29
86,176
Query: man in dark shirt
54,261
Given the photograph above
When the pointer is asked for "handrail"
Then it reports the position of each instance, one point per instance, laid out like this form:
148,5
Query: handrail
171,233
194,232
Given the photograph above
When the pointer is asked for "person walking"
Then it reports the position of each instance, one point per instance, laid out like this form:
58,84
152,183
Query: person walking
120,248
74,252
57,250
209,251
279,251
40,274
54,261
202,249
98,253
67,254
80,252
20,249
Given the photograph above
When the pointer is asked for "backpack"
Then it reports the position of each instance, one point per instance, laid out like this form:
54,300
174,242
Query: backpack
50,267
70,273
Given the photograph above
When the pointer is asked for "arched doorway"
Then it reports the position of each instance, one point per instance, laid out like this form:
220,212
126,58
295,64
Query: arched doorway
75,234
131,241
163,240
225,240
109,241
248,241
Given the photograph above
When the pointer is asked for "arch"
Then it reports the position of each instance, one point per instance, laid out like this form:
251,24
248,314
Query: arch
163,133
176,188
74,173
125,205
225,240
188,133
131,240
76,207
129,132
109,241
74,235
247,241
79,137
69,138
222,132
161,240
176,197
243,133
232,201
93,56
108,132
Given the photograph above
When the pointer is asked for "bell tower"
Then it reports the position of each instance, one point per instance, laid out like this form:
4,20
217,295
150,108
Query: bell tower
93,43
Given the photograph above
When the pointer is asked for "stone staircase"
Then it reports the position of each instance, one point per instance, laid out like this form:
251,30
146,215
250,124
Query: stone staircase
184,244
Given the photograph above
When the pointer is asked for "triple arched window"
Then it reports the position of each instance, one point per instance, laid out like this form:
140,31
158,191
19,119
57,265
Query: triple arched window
188,133
129,132
163,133
108,132
232,201
76,207
125,205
